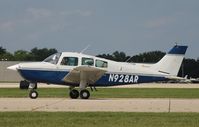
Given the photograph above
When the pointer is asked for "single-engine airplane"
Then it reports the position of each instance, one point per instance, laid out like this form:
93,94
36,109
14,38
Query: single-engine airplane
80,70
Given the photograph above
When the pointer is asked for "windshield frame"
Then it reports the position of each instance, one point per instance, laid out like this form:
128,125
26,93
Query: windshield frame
53,59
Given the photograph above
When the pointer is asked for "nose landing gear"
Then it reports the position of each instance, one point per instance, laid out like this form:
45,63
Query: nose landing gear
33,94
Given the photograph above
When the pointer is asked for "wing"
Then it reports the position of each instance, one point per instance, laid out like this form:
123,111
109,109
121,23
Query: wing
92,74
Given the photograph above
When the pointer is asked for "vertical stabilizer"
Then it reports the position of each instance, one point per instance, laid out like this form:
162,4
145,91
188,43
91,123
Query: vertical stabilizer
171,62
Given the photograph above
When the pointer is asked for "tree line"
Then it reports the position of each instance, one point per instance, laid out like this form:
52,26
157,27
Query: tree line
189,67
34,54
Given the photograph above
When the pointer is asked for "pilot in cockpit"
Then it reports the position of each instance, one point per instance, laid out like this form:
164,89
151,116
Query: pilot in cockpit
64,61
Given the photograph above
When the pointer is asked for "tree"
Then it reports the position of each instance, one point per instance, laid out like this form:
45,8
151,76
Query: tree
5,56
22,55
148,57
106,56
119,56
116,56
191,68
41,54
2,50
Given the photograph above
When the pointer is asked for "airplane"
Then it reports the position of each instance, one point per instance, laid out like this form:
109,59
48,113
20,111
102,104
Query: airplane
79,70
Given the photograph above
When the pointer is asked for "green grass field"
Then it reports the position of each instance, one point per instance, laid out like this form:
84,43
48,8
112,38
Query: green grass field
97,119
109,92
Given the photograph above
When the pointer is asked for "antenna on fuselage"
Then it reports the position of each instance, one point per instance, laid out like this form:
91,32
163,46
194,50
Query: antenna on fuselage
129,59
85,49
176,43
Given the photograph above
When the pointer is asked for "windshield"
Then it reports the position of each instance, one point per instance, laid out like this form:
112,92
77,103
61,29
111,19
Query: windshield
53,58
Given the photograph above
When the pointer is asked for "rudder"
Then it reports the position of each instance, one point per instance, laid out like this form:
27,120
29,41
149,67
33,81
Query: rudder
171,62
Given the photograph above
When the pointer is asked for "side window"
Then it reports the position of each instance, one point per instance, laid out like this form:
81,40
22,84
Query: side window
87,61
100,63
69,61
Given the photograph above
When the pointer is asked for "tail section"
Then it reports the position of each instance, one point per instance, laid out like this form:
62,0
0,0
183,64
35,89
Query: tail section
171,62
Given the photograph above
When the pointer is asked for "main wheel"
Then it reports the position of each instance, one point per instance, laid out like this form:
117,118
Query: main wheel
24,85
74,94
84,94
33,94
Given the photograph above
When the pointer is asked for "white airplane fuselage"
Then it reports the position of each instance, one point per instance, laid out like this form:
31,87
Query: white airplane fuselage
117,73
77,69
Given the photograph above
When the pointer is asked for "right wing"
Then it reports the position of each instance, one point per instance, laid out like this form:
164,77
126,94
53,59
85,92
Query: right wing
92,74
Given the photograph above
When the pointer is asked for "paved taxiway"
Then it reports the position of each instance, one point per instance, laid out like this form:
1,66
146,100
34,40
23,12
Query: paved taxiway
107,105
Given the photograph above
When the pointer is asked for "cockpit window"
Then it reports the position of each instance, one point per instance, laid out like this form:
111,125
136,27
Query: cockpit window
100,63
69,61
87,61
53,58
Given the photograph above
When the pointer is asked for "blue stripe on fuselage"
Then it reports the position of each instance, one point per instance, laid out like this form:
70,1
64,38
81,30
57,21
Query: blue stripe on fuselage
124,79
55,77
44,76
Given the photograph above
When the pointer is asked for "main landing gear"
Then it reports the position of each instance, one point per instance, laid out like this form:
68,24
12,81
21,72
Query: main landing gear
84,94
74,94
24,84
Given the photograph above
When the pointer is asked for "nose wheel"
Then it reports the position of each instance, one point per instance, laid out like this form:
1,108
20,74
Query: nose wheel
33,94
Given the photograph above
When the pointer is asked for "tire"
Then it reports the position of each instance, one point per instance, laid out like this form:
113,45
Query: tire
74,94
24,85
84,94
33,94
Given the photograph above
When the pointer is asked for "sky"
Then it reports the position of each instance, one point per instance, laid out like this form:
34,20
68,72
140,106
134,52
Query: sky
132,26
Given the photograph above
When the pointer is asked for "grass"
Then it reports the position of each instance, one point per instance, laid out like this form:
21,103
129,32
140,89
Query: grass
109,92
9,81
97,119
